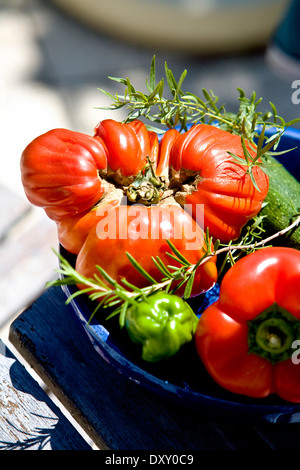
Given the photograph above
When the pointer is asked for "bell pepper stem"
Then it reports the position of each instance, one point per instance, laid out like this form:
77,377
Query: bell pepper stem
272,333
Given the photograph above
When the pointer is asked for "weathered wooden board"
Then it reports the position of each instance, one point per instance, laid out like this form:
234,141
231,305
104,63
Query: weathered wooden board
29,420
114,411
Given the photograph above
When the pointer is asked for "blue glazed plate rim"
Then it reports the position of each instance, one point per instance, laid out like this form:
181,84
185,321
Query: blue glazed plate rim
215,401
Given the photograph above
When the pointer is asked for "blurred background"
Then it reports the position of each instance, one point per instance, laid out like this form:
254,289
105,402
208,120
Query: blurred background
54,55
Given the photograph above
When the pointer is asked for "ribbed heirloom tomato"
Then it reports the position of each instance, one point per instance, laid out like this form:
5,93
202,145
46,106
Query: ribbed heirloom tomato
84,182
128,145
59,171
220,186
143,232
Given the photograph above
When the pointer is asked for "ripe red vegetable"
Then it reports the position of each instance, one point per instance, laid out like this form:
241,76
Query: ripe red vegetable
128,145
72,175
143,232
223,187
247,339
72,231
59,171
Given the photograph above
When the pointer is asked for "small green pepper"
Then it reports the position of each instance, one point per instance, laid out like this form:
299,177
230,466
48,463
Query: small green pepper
161,323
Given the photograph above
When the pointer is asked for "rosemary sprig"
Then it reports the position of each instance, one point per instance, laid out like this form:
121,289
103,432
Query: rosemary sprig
118,296
251,235
184,109
252,240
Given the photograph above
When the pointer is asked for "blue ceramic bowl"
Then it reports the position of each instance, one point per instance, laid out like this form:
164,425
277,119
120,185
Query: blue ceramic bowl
182,378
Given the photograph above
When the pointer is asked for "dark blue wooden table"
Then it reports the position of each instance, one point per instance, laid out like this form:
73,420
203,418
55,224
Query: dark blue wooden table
117,413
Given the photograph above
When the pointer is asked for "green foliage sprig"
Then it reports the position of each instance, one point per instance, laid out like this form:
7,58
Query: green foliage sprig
184,109
118,296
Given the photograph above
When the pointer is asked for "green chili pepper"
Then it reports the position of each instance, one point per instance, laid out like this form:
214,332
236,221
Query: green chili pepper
161,323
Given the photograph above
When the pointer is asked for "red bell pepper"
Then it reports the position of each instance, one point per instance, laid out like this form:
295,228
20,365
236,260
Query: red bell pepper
248,339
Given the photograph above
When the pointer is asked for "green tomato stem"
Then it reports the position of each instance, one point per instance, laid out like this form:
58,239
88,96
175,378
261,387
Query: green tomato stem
147,188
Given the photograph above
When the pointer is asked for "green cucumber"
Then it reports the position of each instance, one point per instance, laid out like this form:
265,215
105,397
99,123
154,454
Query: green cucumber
283,202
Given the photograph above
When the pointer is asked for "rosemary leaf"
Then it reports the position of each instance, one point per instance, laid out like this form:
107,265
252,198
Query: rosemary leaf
237,159
108,278
189,286
170,80
152,80
77,293
93,313
131,286
162,267
122,315
253,180
180,81
179,255
140,269
109,95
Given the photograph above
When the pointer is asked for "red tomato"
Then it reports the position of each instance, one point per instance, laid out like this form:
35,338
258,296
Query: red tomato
143,232
128,145
247,339
165,149
72,231
69,173
218,187
60,169
59,172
